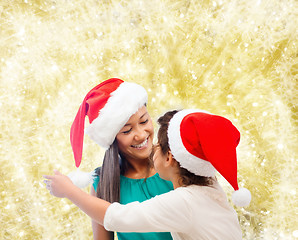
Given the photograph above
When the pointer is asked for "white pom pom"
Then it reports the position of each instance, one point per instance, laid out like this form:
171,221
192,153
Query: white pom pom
241,197
81,179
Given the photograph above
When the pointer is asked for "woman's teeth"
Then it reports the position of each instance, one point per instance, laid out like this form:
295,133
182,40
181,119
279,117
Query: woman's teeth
141,145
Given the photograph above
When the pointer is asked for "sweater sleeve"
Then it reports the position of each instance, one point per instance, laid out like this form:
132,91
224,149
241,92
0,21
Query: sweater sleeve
168,212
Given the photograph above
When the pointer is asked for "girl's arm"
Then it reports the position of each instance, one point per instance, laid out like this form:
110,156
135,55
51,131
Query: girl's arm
168,212
61,186
99,232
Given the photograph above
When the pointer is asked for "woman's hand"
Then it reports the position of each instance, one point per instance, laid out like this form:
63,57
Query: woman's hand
59,185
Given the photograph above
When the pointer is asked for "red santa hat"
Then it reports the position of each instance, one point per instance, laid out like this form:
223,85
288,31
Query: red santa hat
108,106
203,143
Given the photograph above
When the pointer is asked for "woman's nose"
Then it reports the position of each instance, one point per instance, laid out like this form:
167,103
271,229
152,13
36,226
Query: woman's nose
140,134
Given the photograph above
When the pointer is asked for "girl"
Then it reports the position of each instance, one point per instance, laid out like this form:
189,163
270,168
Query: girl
120,123
192,144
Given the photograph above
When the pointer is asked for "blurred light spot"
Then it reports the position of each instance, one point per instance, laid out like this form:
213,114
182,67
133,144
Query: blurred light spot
280,146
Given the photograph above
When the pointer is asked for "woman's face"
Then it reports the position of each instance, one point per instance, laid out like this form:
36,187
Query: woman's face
136,137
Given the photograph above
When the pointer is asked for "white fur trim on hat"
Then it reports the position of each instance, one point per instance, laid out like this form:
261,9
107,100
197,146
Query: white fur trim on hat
188,161
122,104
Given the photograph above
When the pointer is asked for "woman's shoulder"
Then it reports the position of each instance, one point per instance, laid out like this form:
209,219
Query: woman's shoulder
96,178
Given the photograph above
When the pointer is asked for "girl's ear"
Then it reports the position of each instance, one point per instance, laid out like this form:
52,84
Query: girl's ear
170,159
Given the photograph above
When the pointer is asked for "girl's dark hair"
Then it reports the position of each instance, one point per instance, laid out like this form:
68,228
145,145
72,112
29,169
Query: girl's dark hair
186,177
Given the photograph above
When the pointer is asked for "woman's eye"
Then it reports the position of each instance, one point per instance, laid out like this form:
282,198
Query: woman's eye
144,121
126,132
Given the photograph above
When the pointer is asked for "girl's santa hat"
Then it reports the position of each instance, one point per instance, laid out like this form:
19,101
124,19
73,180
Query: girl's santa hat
108,106
203,143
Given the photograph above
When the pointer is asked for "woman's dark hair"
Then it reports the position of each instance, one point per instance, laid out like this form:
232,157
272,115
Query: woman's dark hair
108,187
186,177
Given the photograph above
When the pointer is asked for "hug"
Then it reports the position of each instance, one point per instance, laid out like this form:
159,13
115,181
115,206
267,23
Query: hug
166,190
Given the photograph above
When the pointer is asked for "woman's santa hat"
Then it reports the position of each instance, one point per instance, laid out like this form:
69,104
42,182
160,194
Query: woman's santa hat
108,106
203,143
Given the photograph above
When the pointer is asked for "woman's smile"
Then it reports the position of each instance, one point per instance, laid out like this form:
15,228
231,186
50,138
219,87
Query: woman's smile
141,145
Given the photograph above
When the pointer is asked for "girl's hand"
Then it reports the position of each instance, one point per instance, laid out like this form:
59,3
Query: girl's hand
59,185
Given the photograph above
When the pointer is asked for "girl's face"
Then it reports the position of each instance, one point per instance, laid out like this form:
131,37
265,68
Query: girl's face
159,161
136,137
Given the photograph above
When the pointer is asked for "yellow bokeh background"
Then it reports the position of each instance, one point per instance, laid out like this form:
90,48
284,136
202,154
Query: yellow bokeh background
230,57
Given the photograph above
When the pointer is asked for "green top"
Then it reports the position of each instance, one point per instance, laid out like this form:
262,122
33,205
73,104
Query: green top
139,190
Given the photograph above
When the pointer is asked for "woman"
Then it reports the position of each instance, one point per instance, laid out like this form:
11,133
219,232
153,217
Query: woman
120,123
192,144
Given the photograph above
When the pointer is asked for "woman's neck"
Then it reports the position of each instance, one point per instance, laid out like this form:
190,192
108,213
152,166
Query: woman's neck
137,170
